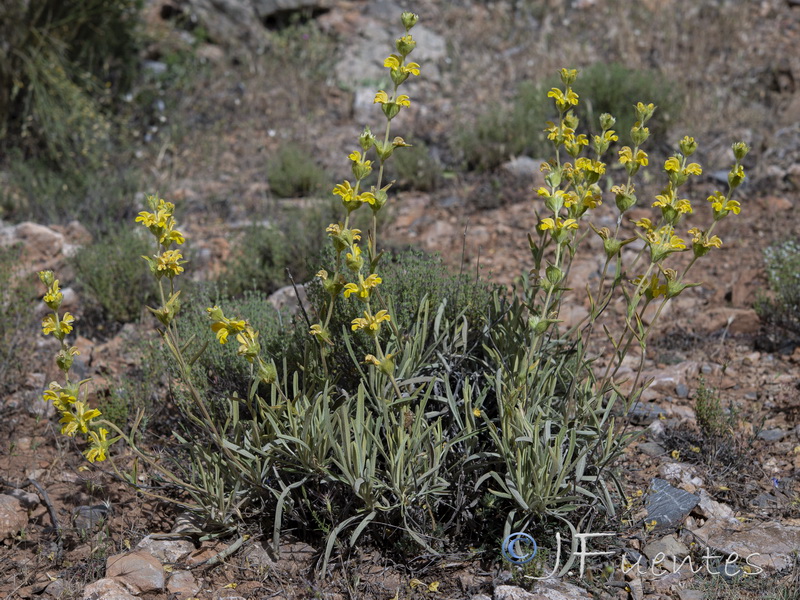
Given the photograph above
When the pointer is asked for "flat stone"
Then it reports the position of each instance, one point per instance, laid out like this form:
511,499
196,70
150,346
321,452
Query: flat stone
167,551
651,449
642,413
771,435
13,517
547,589
106,589
668,505
28,500
87,518
139,571
709,508
525,167
770,546
669,546
183,584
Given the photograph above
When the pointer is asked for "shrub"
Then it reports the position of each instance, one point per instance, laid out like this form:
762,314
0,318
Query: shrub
714,421
16,341
417,169
292,172
500,133
98,198
58,59
614,88
218,368
604,88
780,307
261,256
118,285
396,423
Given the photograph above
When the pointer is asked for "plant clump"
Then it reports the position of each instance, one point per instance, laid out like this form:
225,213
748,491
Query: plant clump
417,411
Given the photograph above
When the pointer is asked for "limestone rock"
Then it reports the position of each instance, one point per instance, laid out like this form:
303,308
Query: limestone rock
769,546
13,517
547,589
167,551
106,589
138,571
183,584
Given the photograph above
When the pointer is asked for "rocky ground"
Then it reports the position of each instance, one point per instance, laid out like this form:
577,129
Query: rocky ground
72,532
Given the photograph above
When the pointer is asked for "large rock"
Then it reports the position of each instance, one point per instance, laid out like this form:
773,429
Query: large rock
769,546
13,517
668,505
106,589
139,571
230,23
167,551
183,584
547,589
266,9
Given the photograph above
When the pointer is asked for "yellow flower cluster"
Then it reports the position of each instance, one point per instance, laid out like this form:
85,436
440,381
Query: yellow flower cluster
76,416
249,347
349,277
161,223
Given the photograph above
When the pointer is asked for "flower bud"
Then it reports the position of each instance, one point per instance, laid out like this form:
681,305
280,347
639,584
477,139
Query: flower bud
568,76
740,150
405,45
366,139
639,134
47,277
736,176
624,197
644,112
267,372
409,19
554,274
380,199
607,121
688,146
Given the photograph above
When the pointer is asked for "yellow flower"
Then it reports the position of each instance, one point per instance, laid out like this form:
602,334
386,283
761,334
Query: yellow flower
53,297
146,218
223,326
722,206
683,206
60,397
558,224
362,288
353,259
371,323
99,445
673,164
476,412
77,419
381,98
701,243
644,223
59,328
403,100
320,333
394,63
563,101
626,157
169,263
248,344
345,191
693,169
